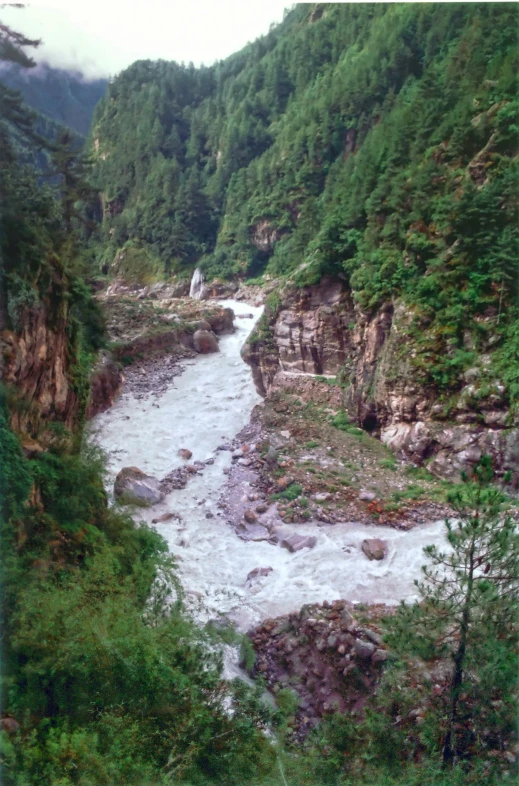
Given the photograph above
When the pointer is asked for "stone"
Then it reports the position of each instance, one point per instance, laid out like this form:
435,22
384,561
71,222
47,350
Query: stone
371,635
255,532
374,548
272,456
366,496
297,542
321,496
133,487
185,454
165,517
380,656
250,516
258,573
364,649
205,342
261,508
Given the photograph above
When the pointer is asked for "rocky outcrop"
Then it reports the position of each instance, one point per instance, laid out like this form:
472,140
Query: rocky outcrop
264,236
315,342
37,362
327,657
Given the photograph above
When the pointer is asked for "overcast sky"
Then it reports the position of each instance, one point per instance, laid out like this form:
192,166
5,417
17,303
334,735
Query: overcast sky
101,37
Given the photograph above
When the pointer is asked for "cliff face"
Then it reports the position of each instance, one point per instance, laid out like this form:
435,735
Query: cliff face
37,363
370,359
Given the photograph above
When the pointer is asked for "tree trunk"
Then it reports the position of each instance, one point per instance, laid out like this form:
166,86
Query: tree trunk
449,745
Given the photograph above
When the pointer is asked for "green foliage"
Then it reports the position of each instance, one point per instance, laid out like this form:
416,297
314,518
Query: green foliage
16,477
468,612
106,676
375,143
290,494
136,263
341,422
247,654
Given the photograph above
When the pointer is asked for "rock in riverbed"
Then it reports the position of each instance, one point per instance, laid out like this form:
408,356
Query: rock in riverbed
374,548
133,487
297,542
204,342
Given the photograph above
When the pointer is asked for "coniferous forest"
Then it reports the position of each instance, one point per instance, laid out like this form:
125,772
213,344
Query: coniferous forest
374,145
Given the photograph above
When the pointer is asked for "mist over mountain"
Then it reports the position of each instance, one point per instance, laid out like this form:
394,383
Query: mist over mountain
67,97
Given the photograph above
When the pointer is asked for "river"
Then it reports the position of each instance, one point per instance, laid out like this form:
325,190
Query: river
207,405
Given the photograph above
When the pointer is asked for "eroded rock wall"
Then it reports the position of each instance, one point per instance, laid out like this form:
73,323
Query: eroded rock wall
37,364
317,343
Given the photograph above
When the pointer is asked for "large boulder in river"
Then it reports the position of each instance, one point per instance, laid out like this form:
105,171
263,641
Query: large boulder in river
297,542
133,487
374,548
204,342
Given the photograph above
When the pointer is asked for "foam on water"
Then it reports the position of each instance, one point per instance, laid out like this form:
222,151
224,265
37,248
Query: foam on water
205,406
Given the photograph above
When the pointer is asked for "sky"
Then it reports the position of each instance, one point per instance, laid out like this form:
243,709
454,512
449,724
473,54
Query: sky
101,37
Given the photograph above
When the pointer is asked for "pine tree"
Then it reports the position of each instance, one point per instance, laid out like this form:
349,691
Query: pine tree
73,168
469,598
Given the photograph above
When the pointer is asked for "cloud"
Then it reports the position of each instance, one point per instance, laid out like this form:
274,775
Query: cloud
101,37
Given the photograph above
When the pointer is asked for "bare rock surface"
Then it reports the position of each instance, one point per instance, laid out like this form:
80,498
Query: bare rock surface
205,341
297,542
374,548
316,339
133,487
325,656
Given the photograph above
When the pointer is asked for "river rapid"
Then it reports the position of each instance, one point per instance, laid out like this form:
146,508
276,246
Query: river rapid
207,405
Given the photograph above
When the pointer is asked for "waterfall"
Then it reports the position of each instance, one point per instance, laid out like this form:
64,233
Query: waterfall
197,283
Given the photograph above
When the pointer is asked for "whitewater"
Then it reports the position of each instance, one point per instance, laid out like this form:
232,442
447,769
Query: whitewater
207,405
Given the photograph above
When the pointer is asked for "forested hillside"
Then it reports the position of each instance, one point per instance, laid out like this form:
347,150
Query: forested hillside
374,145
363,139
377,142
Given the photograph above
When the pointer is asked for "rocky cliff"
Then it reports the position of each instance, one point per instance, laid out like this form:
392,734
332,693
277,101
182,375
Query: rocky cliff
37,364
318,343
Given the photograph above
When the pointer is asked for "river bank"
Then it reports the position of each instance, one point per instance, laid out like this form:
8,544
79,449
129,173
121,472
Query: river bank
206,410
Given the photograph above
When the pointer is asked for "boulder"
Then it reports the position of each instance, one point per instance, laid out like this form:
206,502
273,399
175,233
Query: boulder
366,496
250,516
204,342
254,532
133,487
374,548
297,542
185,454
258,573
364,649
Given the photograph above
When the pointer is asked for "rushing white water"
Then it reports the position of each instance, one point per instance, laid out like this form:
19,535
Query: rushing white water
205,406
197,282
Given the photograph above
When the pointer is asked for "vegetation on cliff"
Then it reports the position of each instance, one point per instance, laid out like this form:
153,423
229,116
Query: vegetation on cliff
373,142
347,138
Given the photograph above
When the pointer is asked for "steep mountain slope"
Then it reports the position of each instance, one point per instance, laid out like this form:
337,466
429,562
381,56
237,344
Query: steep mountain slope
376,145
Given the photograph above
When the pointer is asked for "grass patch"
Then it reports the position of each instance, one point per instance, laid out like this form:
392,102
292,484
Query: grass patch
341,422
388,463
291,493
